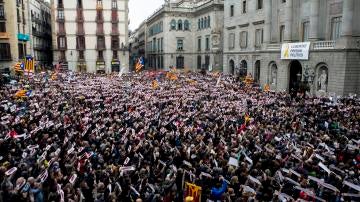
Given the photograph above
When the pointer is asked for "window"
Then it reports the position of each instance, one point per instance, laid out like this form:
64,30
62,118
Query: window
207,61
100,55
62,56
161,44
180,44
180,62
199,44
101,42
114,4
186,25
231,41
205,22
258,37
199,24
335,28
283,1
244,7
60,3
81,55
243,39
99,2
199,61
2,26
259,4
180,25
115,42
207,43
5,53
305,35
208,21
231,10
282,32
173,25
22,49
2,12
80,42
115,55
62,42
79,3
61,14
202,23
158,41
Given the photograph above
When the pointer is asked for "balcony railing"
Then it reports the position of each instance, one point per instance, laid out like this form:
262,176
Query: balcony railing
322,45
100,46
4,35
273,46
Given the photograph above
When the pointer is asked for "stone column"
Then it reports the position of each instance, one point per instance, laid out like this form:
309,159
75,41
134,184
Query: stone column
288,20
267,27
347,18
314,20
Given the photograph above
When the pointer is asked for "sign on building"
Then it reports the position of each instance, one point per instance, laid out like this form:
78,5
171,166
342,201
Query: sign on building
295,51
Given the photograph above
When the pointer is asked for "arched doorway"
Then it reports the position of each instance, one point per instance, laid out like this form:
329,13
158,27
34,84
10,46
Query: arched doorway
295,75
232,66
257,71
243,68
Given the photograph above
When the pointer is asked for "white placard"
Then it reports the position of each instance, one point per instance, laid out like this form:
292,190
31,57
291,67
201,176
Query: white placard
233,162
295,51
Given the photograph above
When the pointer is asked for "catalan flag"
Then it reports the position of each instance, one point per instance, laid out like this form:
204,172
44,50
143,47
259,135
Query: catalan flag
155,84
140,64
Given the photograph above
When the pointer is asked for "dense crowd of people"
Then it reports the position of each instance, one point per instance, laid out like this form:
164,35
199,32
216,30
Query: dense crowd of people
82,137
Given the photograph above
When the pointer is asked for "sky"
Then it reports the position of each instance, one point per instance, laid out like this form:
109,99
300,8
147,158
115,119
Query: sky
139,10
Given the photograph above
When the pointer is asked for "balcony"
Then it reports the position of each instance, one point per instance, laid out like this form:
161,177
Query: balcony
274,46
80,15
114,33
2,16
4,35
100,47
41,47
23,37
323,45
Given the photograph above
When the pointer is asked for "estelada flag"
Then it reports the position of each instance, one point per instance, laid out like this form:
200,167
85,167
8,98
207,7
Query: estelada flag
140,64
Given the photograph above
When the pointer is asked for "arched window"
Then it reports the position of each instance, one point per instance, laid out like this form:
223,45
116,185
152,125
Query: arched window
173,25
186,25
180,25
205,22
243,69
202,23
208,21
199,24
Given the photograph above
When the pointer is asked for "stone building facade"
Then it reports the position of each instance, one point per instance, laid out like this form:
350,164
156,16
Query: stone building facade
185,34
256,31
137,44
91,35
40,32
14,32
